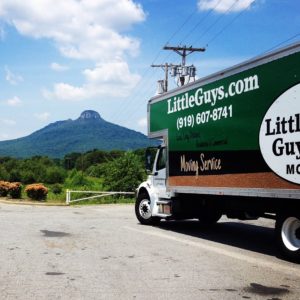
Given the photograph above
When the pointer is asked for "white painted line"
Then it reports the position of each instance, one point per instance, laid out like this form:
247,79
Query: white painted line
260,262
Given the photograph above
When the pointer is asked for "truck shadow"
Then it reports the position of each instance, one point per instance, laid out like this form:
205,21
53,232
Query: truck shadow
250,237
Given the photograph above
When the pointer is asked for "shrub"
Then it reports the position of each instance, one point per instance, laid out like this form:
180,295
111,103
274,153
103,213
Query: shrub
78,179
4,188
56,188
3,174
15,176
124,173
55,175
95,171
36,191
15,189
27,176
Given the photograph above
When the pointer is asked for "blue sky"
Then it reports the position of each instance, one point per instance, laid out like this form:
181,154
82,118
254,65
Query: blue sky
58,58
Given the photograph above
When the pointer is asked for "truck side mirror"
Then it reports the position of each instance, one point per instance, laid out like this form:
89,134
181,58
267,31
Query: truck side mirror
148,160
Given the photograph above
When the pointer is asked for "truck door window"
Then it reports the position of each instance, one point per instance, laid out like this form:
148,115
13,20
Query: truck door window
161,162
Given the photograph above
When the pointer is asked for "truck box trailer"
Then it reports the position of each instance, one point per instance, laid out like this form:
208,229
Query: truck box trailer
230,146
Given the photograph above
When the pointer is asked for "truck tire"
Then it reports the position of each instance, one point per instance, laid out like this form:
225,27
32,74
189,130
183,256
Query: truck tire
287,231
143,210
209,217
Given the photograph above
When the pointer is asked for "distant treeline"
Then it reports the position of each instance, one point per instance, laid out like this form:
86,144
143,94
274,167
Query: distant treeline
117,169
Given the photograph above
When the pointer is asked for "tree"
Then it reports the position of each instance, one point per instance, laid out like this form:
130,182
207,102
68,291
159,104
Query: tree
4,175
55,175
124,173
70,160
28,176
15,175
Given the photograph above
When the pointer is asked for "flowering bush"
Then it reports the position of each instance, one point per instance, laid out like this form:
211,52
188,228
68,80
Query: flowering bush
15,189
36,191
4,188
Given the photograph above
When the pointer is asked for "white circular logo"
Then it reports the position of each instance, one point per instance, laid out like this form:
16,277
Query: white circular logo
279,136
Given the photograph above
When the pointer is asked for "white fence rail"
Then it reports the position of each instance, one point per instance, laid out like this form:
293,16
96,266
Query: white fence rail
99,194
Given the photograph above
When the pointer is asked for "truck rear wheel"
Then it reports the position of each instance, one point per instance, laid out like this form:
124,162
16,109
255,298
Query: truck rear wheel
288,236
143,210
209,217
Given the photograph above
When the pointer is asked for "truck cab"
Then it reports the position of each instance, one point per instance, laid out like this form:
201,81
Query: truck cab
153,199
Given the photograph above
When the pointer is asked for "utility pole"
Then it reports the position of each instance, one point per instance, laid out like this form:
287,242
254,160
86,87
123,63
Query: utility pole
181,71
166,69
184,51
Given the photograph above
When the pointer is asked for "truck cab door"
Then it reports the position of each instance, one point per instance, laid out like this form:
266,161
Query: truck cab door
159,176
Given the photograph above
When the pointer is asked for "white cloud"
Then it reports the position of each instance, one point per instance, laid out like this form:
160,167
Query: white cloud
58,67
2,34
80,29
15,101
12,78
8,122
224,6
142,122
42,116
107,79
87,30
65,91
4,136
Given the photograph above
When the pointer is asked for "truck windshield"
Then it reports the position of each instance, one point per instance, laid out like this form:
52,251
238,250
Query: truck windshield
161,162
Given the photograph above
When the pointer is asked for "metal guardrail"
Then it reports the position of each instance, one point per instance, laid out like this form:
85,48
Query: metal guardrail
99,194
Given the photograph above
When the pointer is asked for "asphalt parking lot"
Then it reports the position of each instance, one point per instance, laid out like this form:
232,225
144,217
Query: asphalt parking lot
102,252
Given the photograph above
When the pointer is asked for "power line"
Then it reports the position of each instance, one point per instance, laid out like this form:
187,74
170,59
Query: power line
201,21
224,28
197,24
187,19
160,51
201,49
144,83
125,105
217,20
143,103
176,31
282,43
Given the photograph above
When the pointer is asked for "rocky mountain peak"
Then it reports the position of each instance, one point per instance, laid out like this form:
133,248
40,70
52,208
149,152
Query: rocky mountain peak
90,114
86,133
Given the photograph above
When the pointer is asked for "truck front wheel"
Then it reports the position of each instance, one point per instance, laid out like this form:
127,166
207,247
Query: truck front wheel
288,236
143,210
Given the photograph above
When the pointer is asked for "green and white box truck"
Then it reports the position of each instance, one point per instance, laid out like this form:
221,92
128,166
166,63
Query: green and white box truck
231,145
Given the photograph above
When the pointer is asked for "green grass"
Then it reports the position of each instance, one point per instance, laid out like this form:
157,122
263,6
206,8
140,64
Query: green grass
91,184
61,199
106,200
78,182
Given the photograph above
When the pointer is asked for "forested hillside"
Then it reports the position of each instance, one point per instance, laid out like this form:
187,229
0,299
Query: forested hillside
86,133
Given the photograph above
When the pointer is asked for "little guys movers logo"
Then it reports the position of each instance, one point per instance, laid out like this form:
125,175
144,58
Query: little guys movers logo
279,136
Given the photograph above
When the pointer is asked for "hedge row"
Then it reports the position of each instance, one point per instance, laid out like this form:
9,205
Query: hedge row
12,189
35,191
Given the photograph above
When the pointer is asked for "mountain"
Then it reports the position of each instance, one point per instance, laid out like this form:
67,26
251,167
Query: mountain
87,132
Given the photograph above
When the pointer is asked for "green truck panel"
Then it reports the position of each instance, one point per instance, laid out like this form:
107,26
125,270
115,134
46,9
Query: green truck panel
222,123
